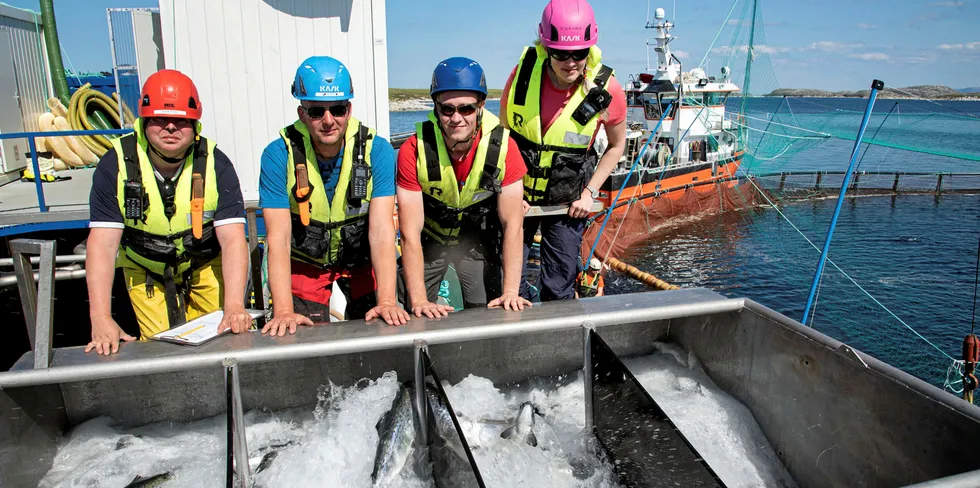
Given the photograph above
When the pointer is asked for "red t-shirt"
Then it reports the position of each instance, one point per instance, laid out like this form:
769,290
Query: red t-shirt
408,175
554,100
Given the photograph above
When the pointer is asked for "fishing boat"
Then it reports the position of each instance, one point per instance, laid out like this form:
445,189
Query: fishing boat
694,141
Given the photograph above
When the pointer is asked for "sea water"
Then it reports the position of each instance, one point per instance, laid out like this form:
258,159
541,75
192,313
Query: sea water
915,254
335,443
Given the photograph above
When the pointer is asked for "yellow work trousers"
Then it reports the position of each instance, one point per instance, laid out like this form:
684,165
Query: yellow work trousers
205,295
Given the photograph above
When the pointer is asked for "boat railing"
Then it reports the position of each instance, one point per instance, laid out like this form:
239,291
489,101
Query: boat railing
32,145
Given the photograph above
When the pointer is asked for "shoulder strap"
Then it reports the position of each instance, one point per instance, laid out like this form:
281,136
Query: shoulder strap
199,175
131,159
134,174
490,179
431,153
299,165
357,158
360,143
602,77
524,76
200,165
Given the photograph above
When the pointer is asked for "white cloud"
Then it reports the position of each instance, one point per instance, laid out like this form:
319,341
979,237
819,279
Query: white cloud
862,25
968,45
949,4
831,46
870,56
734,22
682,54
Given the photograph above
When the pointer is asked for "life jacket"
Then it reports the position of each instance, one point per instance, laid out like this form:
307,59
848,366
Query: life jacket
561,161
448,208
168,248
587,288
327,233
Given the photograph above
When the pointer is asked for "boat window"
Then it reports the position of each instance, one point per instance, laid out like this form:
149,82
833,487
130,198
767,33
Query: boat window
665,99
634,99
651,108
715,98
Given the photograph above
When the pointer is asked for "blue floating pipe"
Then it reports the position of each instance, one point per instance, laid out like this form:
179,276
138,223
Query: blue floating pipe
876,85
639,157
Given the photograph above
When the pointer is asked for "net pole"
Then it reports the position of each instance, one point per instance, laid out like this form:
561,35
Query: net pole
639,157
876,85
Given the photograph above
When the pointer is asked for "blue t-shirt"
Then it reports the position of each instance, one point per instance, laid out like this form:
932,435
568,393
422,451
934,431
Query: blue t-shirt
273,192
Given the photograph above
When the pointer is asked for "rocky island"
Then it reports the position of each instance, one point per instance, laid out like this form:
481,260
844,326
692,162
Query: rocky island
933,92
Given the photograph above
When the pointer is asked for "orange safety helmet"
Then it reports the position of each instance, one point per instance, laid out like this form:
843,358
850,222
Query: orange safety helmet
170,93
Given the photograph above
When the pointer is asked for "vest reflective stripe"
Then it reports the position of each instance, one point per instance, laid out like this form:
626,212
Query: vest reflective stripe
156,243
564,136
447,207
322,242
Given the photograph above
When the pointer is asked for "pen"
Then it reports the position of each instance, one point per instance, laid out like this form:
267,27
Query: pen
195,329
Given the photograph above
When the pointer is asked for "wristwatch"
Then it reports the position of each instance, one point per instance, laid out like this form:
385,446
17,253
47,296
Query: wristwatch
595,193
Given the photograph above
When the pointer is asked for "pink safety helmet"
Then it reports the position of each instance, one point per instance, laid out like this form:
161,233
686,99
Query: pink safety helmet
568,25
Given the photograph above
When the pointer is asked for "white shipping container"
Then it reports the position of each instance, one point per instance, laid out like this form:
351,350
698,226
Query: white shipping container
24,83
242,55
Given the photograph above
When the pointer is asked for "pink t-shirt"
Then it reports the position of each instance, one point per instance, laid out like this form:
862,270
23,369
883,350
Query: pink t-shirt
554,100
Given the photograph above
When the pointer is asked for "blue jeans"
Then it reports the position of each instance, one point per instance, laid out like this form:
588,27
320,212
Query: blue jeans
561,240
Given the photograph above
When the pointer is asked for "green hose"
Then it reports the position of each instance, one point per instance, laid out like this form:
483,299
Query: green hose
54,50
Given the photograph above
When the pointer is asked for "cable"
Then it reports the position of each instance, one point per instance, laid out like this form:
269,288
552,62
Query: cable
976,281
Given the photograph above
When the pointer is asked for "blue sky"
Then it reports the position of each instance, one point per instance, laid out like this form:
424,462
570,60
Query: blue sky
828,44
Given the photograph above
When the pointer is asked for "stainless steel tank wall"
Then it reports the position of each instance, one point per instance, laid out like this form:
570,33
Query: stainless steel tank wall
149,381
834,416
832,420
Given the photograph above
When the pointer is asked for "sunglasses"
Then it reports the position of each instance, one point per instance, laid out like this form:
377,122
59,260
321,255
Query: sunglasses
317,112
464,110
559,55
166,121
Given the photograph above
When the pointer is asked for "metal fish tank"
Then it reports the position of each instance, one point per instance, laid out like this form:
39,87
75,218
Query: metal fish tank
621,390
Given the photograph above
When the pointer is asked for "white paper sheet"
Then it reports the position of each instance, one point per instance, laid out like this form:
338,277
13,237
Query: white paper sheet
199,330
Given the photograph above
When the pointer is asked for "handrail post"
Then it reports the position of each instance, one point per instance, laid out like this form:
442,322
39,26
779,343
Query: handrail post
588,377
255,260
420,347
37,299
37,174
238,445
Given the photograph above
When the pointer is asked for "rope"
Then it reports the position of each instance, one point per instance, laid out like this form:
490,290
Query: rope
955,370
838,268
822,134
868,146
718,34
976,281
917,97
639,157
74,72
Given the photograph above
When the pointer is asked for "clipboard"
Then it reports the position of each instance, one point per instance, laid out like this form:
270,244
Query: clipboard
199,331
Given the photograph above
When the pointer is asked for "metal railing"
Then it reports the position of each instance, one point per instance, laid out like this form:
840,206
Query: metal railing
31,143
37,297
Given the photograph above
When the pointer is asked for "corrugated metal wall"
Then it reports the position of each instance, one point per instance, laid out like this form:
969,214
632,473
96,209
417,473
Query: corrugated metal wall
242,55
27,45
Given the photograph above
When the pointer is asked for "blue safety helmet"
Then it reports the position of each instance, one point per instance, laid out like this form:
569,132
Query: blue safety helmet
322,79
458,74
